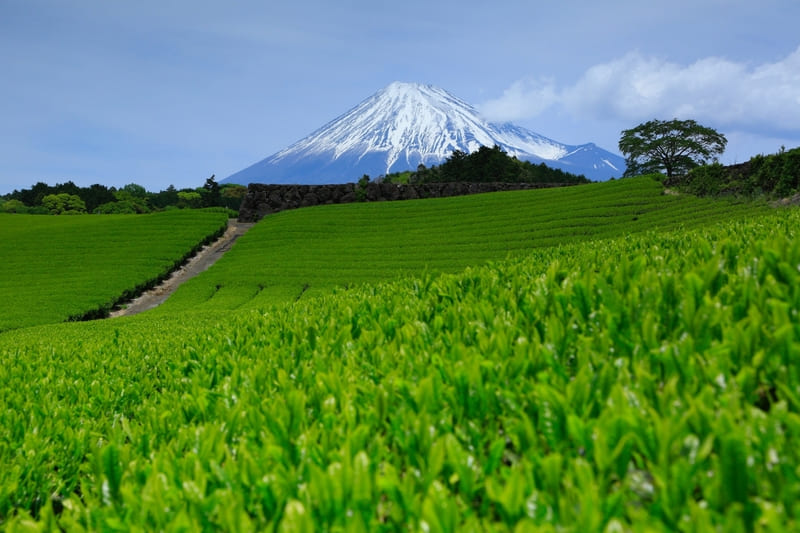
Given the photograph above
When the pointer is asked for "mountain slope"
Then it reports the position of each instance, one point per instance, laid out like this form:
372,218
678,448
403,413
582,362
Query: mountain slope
407,124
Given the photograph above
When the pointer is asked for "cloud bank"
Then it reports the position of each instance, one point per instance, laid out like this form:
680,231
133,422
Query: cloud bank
755,98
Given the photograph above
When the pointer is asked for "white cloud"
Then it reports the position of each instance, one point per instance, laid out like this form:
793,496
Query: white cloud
525,98
724,93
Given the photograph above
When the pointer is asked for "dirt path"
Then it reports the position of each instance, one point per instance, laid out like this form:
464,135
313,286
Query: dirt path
198,263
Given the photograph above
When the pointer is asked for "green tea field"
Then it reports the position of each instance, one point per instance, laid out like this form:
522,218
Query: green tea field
59,268
310,251
597,358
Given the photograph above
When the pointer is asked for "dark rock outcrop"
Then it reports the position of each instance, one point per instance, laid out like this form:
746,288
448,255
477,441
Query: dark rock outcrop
262,199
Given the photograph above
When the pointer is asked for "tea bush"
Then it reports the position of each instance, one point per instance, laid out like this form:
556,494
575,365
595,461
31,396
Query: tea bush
644,383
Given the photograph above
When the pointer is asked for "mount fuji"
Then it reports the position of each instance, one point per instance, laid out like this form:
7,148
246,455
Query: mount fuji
407,124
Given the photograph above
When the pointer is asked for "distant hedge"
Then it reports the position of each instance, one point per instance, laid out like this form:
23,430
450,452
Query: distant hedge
775,175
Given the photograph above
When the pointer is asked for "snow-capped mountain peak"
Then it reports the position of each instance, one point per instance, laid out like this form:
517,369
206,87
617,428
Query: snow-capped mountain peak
397,128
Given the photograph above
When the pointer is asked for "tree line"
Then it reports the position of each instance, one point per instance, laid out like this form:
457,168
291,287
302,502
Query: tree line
487,165
774,175
686,153
69,198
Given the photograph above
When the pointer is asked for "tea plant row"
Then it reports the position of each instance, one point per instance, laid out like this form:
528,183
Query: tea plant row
310,251
643,383
57,268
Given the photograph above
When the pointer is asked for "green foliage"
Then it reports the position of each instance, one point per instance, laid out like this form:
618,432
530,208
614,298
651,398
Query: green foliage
210,193
92,196
131,190
166,198
64,204
131,198
706,180
492,165
779,173
232,195
189,199
400,178
55,269
672,146
774,175
305,252
95,196
13,206
485,164
643,383
361,188
117,208
33,197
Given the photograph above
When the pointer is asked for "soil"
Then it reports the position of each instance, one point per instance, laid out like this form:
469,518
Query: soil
201,261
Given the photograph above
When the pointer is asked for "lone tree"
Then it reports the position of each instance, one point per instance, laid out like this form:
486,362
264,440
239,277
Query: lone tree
210,193
672,146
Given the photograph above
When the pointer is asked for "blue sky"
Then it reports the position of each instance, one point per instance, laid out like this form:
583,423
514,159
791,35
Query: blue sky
170,92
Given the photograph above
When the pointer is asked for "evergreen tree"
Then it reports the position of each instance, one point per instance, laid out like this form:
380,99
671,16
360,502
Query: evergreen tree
210,193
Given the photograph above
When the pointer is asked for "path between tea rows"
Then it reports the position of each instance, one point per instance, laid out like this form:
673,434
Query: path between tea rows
201,261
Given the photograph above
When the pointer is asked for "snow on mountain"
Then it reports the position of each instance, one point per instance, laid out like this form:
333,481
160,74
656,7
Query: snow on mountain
406,124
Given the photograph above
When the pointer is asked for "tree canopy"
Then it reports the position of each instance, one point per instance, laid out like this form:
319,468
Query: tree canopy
488,165
132,198
64,203
669,146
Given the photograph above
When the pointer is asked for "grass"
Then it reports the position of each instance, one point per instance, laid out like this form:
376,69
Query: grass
61,268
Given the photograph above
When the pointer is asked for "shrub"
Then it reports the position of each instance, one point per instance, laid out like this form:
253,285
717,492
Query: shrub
14,206
116,208
706,180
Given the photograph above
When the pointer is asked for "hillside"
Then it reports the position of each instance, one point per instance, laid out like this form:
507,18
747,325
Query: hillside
641,380
57,268
775,176
310,251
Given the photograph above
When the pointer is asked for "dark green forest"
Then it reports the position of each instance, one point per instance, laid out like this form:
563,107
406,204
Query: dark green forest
68,198
486,165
